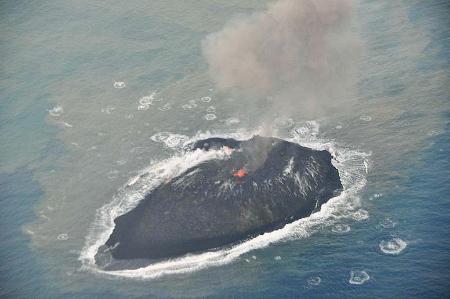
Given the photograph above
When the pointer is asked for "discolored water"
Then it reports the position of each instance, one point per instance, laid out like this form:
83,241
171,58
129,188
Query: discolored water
96,94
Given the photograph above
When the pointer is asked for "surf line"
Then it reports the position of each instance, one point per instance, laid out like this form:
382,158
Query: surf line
351,167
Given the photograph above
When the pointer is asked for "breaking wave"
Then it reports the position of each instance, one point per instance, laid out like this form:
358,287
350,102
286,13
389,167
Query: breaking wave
350,163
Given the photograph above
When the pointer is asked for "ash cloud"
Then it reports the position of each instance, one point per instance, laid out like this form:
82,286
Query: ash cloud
298,57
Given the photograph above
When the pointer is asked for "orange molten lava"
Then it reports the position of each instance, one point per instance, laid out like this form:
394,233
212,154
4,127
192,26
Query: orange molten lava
240,173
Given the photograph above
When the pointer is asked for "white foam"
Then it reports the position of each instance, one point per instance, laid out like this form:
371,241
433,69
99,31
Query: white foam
165,107
119,84
341,228
205,99
62,237
210,116
365,118
211,109
277,258
56,111
108,109
348,162
143,107
175,140
147,100
432,133
29,232
393,246
366,166
133,180
284,123
309,129
314,281
187,107
160,137
113,175
387,223
302,130
376,196
170,140
232,121
360,215
358,277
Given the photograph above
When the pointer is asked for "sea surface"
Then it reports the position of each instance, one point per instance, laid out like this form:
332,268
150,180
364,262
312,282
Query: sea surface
98,98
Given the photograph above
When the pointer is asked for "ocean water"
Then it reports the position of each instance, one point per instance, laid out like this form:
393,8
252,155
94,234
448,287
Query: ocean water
97,94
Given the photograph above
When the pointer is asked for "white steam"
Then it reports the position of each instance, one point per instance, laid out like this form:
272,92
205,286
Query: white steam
298,56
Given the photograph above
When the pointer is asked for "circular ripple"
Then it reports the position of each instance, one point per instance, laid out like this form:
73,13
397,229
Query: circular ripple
205,99
340,228
211,109
387,223
314,281
393,246
358,277
210,116
360,215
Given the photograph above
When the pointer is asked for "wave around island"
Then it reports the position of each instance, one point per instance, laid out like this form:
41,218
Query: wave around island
351,164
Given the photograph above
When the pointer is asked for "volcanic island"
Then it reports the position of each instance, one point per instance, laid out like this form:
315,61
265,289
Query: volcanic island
263,184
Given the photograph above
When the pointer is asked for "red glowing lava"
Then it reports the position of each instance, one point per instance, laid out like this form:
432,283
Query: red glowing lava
240,173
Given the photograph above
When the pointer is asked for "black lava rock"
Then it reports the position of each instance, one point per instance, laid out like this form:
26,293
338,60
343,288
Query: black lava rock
263,185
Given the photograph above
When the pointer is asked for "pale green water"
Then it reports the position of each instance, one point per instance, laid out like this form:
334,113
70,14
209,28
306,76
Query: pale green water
70,54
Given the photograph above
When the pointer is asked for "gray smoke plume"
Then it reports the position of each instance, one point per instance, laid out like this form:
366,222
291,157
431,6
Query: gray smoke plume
298,57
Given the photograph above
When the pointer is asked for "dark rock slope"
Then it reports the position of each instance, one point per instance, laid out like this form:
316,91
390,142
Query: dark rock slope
263,185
